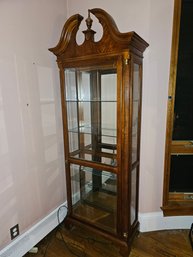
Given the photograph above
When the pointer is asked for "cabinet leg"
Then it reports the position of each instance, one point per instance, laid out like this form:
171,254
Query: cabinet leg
124,251
68,225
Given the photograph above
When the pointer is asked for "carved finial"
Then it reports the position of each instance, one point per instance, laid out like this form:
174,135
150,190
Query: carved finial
89,33
89,21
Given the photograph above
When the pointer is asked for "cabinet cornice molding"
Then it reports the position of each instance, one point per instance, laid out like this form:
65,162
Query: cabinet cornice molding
112,39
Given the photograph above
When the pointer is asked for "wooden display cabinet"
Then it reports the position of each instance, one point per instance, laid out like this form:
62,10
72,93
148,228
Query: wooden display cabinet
101,104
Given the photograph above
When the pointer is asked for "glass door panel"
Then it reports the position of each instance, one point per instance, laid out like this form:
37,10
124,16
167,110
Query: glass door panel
94,196
91,97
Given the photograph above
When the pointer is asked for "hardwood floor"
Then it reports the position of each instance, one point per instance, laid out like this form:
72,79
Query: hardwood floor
77,242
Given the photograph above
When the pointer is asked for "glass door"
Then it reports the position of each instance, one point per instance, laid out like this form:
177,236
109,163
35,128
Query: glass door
91,99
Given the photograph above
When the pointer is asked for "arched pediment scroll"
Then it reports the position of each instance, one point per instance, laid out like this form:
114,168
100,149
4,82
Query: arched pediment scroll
110,29
68,34
106,21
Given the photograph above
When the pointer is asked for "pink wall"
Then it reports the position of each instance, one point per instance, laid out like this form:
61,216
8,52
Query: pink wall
152,20
31,150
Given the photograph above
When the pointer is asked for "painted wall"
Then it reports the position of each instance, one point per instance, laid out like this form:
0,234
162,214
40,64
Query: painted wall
32,181
31,149
152,20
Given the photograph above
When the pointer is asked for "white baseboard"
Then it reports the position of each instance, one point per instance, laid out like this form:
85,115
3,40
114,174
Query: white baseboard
22,244
148,222
156,221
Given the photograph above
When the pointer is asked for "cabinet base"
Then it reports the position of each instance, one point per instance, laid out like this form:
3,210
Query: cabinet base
123,245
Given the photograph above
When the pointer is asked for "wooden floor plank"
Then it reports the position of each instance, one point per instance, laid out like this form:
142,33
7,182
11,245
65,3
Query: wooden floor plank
77,242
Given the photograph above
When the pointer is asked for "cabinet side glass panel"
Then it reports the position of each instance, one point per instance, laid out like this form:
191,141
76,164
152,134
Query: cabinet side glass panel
133,212
135,117
94,196
91,98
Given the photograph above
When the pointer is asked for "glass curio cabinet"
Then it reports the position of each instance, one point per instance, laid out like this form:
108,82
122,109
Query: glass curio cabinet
101,105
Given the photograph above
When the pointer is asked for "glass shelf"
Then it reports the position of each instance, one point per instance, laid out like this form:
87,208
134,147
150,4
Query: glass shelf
89,130
90,101
108,178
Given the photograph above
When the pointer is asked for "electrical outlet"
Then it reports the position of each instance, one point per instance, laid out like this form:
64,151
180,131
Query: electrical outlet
14,231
